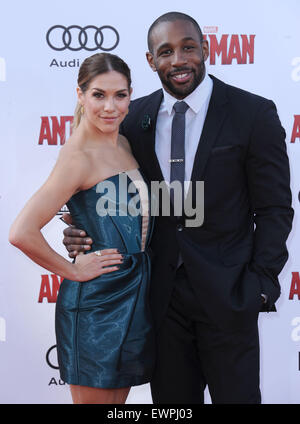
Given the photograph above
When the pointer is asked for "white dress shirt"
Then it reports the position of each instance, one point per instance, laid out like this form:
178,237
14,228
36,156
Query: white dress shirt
198,102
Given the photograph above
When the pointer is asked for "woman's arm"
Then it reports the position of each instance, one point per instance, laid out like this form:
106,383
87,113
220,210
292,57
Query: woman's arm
25,232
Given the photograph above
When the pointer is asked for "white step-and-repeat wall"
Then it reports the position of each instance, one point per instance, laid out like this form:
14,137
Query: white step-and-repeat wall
254,45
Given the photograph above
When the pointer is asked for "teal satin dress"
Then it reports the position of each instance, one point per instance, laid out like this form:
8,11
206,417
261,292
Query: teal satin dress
104,329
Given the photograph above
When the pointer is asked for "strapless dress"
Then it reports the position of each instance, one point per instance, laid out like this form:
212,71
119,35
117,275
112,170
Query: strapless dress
104,329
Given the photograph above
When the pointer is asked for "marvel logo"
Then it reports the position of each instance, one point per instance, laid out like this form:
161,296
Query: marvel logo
210,29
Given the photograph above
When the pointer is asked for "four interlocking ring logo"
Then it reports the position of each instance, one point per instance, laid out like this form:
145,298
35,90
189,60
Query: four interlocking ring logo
67,36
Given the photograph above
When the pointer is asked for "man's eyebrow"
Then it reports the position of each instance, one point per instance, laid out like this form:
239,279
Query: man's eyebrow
165,45
162,46
188,39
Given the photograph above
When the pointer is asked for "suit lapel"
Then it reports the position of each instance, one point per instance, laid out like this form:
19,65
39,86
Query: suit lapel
215,117
148,156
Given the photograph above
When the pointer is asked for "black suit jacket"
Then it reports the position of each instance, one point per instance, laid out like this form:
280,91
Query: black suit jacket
240,249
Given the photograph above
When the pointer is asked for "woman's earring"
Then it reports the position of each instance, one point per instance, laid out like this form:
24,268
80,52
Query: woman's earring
82,110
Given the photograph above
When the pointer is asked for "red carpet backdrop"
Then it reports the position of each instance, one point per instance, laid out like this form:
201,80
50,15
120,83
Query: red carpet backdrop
253,45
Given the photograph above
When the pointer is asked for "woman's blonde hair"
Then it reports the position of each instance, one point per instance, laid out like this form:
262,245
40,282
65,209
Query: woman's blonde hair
94,65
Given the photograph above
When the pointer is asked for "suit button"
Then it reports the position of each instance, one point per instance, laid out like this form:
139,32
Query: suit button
179,227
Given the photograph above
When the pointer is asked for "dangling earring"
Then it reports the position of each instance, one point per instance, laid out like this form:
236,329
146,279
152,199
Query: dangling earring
82,110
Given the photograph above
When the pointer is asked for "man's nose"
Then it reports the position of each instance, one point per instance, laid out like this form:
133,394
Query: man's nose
179,58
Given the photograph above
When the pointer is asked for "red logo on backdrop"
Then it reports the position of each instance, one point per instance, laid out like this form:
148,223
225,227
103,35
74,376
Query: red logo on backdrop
55,130
296,129
295,286
229,46
49,287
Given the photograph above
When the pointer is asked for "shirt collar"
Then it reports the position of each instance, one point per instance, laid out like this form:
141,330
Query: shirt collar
195,100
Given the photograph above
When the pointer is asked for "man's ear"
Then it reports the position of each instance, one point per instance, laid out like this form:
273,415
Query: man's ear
150,60
205,49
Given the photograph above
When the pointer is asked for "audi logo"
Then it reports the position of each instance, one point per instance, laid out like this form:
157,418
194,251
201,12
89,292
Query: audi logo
76,38
49,360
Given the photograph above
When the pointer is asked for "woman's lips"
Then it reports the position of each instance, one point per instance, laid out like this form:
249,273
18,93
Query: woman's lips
109,118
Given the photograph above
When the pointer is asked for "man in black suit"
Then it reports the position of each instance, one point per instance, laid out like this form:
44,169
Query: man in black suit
210,282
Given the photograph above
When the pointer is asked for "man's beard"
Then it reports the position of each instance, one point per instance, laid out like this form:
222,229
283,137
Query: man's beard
185,90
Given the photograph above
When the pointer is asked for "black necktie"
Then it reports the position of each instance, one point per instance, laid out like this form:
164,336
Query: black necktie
177,161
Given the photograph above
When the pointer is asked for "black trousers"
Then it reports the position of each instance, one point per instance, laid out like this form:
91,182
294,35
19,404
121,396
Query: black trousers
192,354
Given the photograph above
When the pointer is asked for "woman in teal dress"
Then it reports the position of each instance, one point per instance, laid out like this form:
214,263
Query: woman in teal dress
105,339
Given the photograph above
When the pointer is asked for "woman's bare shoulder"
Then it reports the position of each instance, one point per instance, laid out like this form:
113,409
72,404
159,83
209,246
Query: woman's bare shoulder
73,160
71,151
125,143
